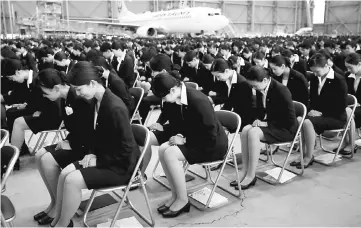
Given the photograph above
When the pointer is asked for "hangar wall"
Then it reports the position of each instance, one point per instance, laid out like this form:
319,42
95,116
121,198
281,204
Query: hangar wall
342,17
247,16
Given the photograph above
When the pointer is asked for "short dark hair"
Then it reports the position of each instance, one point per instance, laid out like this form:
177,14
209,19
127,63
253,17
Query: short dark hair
317,60
280,60
257,73
353,58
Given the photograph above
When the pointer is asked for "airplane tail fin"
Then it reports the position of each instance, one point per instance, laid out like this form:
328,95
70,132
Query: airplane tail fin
123,11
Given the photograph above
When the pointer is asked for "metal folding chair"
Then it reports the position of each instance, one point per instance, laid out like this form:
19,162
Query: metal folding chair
232,122
192,85
4,137
138,94
141,135
301,112
350,110
136,79
44,135
8,212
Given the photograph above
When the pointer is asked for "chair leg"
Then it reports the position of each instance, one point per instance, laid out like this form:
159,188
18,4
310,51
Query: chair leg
150,221
3,222
344,133
158,179
90,201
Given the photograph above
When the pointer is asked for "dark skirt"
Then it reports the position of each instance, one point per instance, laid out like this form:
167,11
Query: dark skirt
64,157
198,154
358,117
322,123
38,124
96,178
277,135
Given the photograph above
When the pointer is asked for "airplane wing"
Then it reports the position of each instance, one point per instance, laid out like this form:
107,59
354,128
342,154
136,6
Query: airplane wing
105,23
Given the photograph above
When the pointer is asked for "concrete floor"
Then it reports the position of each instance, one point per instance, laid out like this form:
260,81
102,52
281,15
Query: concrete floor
323,196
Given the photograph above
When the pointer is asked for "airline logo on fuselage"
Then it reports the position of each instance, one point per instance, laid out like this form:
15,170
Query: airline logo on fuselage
181,14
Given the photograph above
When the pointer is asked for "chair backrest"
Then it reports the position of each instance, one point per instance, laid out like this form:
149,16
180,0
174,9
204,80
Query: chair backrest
192,85
9,149
136,78
138,94
230,120
300,109
141,135
4,137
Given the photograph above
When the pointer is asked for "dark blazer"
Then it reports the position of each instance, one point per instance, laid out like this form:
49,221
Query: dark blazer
240,100
119,88
126,71
332,100
206,138
113,141
204,78
29,61
80,123
298,86
351,89
300,66
221,90
279,107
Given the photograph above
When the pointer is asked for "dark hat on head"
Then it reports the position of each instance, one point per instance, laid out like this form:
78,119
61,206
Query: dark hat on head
190,55
207,59
162,83
161,62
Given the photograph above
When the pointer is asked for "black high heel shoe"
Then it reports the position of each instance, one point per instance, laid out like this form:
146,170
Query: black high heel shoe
247,186
162,209
295,163
172,214
39,215
309,163
71,224
45,220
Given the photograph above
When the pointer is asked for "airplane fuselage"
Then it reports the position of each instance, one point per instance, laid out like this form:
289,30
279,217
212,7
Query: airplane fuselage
189,20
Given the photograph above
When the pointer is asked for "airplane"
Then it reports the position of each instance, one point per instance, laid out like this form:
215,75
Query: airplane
196,20
305,31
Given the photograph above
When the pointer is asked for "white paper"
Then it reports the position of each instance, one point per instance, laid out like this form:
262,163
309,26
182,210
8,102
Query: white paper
202,196
275,172
126,222
327,158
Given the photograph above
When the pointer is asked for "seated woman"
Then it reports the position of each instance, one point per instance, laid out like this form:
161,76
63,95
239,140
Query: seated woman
30,109
294,80
200,139
328,100
353,64
76,114
114,152
114,82
275,121
239,91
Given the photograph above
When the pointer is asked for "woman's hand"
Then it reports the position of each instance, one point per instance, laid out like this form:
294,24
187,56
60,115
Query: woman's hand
314,113
258,123
36,114
88,160
156,126
65,145
176,140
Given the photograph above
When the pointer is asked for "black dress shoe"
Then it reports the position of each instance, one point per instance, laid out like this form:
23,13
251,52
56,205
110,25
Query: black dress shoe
309,163
295,163
71,224
162,209
233,183
345,152
247,186
45,220
39,215
172,214
17,165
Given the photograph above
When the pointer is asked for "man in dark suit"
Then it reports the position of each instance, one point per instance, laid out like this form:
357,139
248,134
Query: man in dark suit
125,63
26,58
